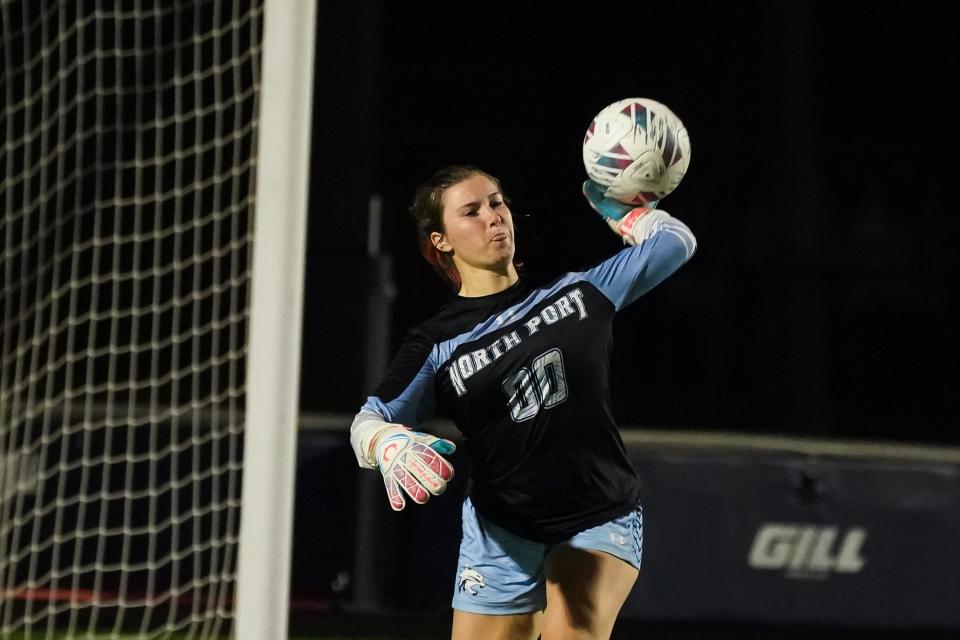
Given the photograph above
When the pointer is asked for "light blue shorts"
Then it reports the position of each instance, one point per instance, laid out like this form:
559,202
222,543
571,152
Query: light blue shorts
501,573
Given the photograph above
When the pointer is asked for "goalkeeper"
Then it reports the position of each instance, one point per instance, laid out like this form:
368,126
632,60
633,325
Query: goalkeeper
552,525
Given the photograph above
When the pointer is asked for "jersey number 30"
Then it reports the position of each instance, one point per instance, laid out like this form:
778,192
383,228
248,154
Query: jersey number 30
542,385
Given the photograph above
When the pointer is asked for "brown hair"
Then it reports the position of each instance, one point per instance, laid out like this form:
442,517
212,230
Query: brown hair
427,211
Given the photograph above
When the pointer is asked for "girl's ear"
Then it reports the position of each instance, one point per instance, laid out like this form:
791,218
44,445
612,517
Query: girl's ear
440,242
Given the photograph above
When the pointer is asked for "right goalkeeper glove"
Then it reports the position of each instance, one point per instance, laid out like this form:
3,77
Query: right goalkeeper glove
411,460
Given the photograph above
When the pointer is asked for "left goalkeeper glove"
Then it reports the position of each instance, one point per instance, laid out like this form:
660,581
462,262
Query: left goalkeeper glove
609,208
620,217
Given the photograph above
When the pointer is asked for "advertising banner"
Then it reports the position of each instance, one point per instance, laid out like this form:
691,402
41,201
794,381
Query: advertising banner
753,536
791,539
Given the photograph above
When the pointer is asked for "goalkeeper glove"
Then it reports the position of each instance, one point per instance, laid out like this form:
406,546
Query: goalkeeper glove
620,217
411,460
609,208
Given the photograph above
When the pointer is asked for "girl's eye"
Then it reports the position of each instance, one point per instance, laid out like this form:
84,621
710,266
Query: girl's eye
471,212
496,203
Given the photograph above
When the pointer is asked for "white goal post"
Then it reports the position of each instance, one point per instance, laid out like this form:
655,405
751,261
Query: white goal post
153,179
273,364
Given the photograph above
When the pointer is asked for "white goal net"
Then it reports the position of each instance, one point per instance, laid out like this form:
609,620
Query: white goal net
128,137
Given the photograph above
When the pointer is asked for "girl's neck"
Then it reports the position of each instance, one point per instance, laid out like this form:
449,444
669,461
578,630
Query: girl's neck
485,282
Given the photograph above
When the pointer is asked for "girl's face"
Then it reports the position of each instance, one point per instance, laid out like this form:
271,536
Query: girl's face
478,226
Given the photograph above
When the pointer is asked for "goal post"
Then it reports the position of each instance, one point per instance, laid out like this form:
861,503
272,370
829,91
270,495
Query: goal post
153,162
273,363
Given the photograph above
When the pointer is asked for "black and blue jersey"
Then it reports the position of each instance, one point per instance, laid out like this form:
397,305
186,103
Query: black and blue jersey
524,374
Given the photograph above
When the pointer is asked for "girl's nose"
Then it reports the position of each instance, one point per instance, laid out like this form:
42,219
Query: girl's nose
494,215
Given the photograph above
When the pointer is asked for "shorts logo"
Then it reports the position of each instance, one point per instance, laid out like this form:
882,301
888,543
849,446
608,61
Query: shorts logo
470,579
617,539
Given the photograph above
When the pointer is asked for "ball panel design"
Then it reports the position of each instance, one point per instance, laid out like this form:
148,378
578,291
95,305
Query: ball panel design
637,148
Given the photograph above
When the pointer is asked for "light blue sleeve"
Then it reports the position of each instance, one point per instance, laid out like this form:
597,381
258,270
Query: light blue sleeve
406,394
413,406
666,244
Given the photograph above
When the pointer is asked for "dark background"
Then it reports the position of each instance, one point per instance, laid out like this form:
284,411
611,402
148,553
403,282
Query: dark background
822,191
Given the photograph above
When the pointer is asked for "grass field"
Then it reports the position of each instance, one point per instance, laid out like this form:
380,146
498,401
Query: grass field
347,627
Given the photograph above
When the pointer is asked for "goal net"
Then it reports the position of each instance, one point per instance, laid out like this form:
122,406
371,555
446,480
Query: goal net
129,142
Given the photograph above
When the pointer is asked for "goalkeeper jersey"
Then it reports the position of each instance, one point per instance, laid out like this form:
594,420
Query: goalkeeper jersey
524,374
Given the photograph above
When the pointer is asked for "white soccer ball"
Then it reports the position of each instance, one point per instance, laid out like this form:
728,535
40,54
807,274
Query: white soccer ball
637,148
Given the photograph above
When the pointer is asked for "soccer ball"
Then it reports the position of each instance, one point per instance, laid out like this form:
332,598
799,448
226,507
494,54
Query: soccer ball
638,149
